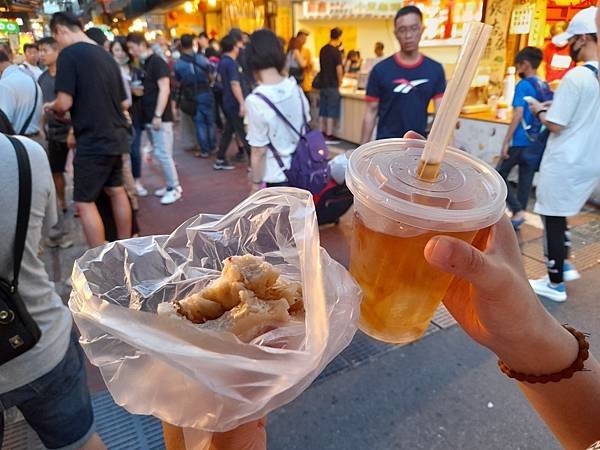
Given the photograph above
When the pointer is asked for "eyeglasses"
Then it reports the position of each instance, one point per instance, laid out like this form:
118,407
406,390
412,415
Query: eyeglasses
413,29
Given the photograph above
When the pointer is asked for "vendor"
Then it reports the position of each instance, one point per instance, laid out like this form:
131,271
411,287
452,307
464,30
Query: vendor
400,87
353,62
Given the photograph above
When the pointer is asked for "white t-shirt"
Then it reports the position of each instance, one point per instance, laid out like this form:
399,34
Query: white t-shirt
570,168
17,98
264,126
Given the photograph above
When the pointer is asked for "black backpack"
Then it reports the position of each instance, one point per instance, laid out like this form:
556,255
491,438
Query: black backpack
18,330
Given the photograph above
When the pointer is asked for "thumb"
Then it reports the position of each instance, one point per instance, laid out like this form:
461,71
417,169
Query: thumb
461,259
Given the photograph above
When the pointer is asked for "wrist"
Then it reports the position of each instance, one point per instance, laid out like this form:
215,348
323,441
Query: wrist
545,348
157,116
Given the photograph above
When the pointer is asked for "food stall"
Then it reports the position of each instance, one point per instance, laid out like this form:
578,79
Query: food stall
516,24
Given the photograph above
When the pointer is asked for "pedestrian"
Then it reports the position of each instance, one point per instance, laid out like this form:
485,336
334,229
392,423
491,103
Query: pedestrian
570,168
401,86
89,84
294,61
517,138
265,128
234,105
353,62
98,36
157,114
47,383
194,73
379,50
330,80
133,76
56,133
32,59
203,43
20,97
306,55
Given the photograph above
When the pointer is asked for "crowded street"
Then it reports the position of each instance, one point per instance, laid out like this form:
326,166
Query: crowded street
299,224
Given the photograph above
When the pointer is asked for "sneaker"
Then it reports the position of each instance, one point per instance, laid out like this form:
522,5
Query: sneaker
543,288
63,242
203,155
221,164
570,273
171,196
141,190
160,192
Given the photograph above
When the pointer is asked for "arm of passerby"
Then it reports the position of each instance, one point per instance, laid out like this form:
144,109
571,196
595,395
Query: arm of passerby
71,143
258,162
164,89
493,302
340,74
541,111
517,115
236,88
301,61
369,121
61,105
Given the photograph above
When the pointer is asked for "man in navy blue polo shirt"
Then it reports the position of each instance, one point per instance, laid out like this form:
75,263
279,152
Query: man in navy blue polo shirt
400,87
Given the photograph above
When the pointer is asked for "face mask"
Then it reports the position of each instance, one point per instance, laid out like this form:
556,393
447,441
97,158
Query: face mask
521,75
574,53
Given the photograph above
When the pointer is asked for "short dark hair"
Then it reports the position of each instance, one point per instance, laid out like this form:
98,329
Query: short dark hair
48,40
379,45
187,41
203,35
96,35
66,19
228,43
406,10
531,54
335,33
265,51
4,57
236,34
30,45
137,38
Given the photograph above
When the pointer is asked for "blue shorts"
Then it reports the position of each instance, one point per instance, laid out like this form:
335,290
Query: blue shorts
330,103
57,405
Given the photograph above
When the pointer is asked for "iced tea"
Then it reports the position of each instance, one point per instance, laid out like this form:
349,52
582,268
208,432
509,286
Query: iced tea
401,290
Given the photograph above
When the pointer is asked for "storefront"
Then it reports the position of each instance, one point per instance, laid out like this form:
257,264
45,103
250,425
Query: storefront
516,24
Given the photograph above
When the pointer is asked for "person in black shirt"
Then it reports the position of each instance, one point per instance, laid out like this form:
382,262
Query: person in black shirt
89,85
157,114
332,73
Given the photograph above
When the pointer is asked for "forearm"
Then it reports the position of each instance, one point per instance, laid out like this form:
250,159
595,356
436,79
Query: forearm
570,407
258,162
162,102
516,120
236,88
340,75
553,127
368,126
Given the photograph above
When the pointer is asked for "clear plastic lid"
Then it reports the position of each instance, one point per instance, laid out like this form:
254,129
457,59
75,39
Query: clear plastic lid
467,195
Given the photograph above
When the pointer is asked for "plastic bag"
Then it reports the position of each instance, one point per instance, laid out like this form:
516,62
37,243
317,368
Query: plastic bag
197,378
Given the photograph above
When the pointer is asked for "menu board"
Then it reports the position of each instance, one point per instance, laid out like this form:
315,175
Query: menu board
521,18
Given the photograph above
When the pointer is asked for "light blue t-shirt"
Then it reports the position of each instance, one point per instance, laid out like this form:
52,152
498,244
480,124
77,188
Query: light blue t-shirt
523,89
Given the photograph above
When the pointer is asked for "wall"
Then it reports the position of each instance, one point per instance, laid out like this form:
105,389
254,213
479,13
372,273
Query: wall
362,34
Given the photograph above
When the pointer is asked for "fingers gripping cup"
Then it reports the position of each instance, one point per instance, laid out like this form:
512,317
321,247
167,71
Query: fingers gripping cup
396,213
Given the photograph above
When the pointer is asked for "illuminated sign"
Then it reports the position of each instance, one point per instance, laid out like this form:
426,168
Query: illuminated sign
9,27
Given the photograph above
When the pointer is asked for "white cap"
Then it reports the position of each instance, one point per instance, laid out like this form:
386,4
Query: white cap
584,22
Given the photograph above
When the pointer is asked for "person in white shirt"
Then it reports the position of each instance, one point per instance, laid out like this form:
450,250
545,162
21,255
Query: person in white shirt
266,59
32,60
18,94
570,168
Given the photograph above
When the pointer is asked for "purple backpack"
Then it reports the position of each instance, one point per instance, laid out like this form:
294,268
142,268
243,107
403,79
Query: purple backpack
309,168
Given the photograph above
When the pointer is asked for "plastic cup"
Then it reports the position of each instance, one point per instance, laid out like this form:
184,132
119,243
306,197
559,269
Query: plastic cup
396,214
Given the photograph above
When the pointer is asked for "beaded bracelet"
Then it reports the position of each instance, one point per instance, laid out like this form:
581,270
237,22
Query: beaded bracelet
577,365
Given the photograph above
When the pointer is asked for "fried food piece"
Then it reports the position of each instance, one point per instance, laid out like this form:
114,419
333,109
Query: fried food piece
198,309
252,317
248,299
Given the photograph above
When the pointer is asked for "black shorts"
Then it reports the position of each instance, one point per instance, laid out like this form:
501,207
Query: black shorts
57,155
92,173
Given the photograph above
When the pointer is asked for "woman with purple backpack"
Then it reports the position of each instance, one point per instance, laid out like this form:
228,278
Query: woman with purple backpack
273,138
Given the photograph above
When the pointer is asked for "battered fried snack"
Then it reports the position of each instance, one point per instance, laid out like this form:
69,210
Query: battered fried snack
248,299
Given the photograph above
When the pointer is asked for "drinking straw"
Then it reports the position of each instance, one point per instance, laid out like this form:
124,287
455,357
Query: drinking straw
453,100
